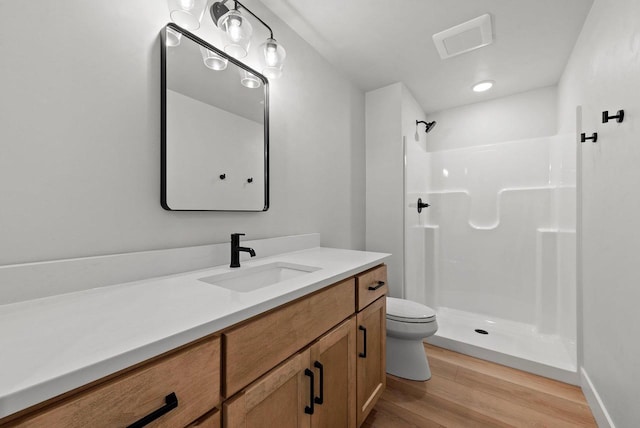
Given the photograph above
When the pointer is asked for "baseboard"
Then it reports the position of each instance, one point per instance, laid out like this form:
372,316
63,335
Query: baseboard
595,403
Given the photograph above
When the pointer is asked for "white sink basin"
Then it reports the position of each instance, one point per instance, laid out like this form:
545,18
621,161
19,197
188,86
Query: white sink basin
249,279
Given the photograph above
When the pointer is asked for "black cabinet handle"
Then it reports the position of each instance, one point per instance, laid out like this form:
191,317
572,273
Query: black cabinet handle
373,288
364,330
320,399
309,409
171,402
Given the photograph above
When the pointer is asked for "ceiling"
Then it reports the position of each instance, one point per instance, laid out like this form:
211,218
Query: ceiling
377,43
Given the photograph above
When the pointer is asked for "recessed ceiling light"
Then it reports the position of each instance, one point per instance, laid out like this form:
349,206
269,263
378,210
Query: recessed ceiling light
483,86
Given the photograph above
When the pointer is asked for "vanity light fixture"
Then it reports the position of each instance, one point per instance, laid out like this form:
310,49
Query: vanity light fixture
238,31
485,85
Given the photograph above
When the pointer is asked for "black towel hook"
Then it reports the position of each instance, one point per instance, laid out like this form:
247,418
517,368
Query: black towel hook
593,138
618,117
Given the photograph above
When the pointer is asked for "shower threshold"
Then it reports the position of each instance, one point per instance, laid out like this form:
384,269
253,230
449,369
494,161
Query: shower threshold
510,343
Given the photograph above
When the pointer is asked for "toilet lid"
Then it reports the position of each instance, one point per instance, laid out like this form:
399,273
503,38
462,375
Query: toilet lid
406,310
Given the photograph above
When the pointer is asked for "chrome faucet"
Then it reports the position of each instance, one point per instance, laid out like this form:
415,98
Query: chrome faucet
236,248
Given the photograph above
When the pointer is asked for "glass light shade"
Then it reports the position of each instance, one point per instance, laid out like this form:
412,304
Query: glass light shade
237,30
212,60
173,37
249,80
272,58
187,13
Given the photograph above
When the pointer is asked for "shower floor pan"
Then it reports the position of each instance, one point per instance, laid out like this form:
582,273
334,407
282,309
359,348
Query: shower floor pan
510,343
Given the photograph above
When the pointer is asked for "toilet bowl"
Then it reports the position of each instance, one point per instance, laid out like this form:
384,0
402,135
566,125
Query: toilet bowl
408,323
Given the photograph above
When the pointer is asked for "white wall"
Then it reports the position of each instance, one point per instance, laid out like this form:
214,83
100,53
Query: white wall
80,132
529,114
384,157
603,73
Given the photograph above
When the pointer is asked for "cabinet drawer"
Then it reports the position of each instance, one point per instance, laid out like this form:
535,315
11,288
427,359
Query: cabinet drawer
192,374
371,285
262,343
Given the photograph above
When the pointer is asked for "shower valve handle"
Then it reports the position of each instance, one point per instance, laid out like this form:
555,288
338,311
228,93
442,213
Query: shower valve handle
421,205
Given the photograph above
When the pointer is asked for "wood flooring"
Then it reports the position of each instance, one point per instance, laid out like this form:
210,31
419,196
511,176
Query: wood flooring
468,392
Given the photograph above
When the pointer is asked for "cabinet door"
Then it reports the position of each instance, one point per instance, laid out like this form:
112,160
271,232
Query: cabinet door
371,340
278,399
334,363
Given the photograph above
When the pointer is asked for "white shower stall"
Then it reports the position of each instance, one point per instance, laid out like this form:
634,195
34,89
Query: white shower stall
495,252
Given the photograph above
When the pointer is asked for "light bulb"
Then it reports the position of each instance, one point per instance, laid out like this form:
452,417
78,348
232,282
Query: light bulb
187,4
271,55
235,32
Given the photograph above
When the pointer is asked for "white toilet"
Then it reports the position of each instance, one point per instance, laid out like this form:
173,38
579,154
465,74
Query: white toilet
407,324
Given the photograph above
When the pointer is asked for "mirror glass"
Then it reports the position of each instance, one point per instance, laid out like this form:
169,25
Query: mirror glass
215,116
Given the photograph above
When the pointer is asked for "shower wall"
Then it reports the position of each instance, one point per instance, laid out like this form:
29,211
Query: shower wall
499,236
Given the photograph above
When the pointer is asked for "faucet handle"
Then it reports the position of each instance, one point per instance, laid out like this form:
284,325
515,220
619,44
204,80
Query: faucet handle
237,234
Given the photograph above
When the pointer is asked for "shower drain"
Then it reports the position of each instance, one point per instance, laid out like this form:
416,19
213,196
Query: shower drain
481,331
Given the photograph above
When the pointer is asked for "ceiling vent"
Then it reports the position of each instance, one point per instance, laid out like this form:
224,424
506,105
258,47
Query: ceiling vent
465,37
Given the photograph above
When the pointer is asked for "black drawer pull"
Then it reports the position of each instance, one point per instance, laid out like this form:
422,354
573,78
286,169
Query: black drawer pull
320,399
309,409
171,402
364,330
373,288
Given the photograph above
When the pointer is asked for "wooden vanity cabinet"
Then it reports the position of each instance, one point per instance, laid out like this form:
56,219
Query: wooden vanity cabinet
317,362
315,388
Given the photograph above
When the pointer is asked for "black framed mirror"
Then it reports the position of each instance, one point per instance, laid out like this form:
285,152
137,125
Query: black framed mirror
215,128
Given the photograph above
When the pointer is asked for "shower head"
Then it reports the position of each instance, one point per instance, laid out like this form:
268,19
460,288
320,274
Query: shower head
428,125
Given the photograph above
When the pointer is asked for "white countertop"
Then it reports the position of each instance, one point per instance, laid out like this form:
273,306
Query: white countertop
52,345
